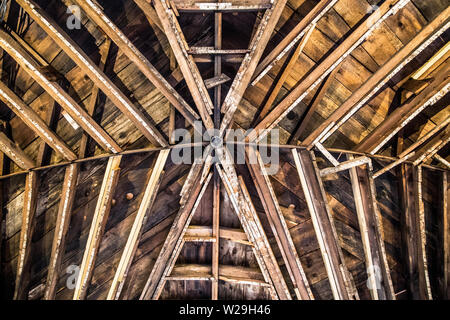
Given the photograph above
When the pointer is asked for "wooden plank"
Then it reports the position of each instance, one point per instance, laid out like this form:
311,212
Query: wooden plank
13,152
34,122
285,74
216,81
442,160
323,225
250,62
413,233
216,237
26,232
62,97
214,51
351,163
191,196
73,50
96,14
377,81
249,219
327,65
231,234
228,6
446,235
151,190
401,116
278,225
187,65
370,226
62,225
291,39
98,224
432,147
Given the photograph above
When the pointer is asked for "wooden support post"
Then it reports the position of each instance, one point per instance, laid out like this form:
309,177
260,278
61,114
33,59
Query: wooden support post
278,225
413,233
446,234
26,233
216,236
323,225
98,224
371,228
16,154
151,190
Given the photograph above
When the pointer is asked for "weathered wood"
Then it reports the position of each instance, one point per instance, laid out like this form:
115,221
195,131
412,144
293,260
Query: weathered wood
442,160
187,65
370,226
32,119
323,225
351,163
216,81
321,71
62,97
13,152
432,147
26,232
216,236
278,225
250,62
446,234
232,6
413,233
96,14
98,224
192,191
235,235
291,39
151,190
214,51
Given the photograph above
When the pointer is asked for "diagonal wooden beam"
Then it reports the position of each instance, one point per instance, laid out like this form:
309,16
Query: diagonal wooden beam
250,62
252,225
323,69
278,225
186,62
432,147
324,228
370,225
16,154
96,14
289,41
32,119
26,232
192,192
413,233
148,198
98,224
380,78
33,68
351,163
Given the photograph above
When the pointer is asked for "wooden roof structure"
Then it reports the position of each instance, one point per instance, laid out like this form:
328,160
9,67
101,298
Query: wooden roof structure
93,206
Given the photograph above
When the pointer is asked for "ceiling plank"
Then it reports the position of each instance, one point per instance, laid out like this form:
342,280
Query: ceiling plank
145,207
370,225
56,92
102,209
96,14
324,228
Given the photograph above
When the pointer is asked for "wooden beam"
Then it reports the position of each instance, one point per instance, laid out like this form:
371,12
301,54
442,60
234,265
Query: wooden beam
16,154
401,116
148,198
73,50
191,196
285,74
446,234
214,51
149,12
98,224
231,234
351,163
228,6
371,228
323,225
323,69
96,14
278,225
378,80
291,39
62,225
248,66
442,160
413,233
56,92
187,65
432,147
216,236
34,122
249,219
26,233
216,81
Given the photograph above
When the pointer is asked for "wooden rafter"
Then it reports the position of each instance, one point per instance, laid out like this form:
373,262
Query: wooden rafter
98,224
432,147
33,68
324,228
370,225
278,225
16,154
323,69
96,14
148,198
